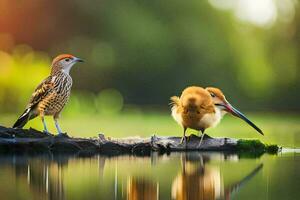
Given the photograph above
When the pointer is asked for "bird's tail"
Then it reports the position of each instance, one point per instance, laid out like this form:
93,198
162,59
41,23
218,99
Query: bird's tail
175,106
175,101
24,118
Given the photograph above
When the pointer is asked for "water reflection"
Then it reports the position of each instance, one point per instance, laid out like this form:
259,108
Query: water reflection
197,180
142,189
43,174
177,176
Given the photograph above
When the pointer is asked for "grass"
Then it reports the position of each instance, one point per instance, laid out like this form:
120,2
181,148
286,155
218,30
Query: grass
281,129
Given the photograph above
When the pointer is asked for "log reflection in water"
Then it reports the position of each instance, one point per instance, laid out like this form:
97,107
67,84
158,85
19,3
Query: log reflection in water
46,176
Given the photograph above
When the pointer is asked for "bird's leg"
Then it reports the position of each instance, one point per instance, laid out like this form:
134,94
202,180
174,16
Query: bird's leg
45,126
184,137
57,126
188,138
201,139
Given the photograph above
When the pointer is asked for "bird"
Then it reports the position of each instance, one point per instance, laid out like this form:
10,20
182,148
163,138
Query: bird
52,94
200,108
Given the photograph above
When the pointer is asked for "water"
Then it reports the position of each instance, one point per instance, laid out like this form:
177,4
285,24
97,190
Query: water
185,176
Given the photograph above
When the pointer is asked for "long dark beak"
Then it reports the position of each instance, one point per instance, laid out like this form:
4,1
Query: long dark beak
78,60
229,108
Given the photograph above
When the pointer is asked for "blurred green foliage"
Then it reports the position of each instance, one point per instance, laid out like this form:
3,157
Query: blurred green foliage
141,52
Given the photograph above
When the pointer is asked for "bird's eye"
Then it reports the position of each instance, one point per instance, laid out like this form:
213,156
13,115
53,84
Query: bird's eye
212,95
67,59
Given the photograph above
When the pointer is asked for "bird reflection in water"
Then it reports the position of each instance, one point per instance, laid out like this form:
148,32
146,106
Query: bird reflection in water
44,176
141,188
199,181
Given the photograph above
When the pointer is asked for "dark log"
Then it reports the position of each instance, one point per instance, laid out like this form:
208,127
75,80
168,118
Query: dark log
33,141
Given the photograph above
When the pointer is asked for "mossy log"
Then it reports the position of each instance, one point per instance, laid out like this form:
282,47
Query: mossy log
33,141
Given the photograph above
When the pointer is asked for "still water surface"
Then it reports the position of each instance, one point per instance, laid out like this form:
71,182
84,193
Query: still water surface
181,176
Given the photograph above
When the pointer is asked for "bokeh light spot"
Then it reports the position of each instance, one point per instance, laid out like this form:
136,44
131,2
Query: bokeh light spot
109,101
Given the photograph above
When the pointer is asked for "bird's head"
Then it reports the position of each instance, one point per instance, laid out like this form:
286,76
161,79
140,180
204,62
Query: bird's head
64,62
221,103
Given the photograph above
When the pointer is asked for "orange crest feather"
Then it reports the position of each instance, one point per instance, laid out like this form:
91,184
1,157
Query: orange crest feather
62,56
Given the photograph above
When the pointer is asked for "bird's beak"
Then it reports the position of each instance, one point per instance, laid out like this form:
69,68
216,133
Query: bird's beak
229,108
78,59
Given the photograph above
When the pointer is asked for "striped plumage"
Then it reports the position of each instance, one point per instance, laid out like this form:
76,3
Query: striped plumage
55,95
52,94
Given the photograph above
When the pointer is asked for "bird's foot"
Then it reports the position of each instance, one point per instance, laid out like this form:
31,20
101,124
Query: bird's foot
199,145
47,133
201,140
62,135
183,139
188,138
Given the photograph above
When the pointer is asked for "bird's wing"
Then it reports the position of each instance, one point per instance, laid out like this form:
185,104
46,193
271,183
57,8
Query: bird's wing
41,91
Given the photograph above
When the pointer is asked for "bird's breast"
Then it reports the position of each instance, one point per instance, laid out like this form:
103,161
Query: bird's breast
212,119
58,96
63,89
200,121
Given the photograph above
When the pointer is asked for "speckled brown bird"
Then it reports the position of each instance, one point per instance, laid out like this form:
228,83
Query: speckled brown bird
52,94
198,108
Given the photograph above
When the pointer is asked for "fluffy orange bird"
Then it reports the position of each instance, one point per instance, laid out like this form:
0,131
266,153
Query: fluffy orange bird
198,108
